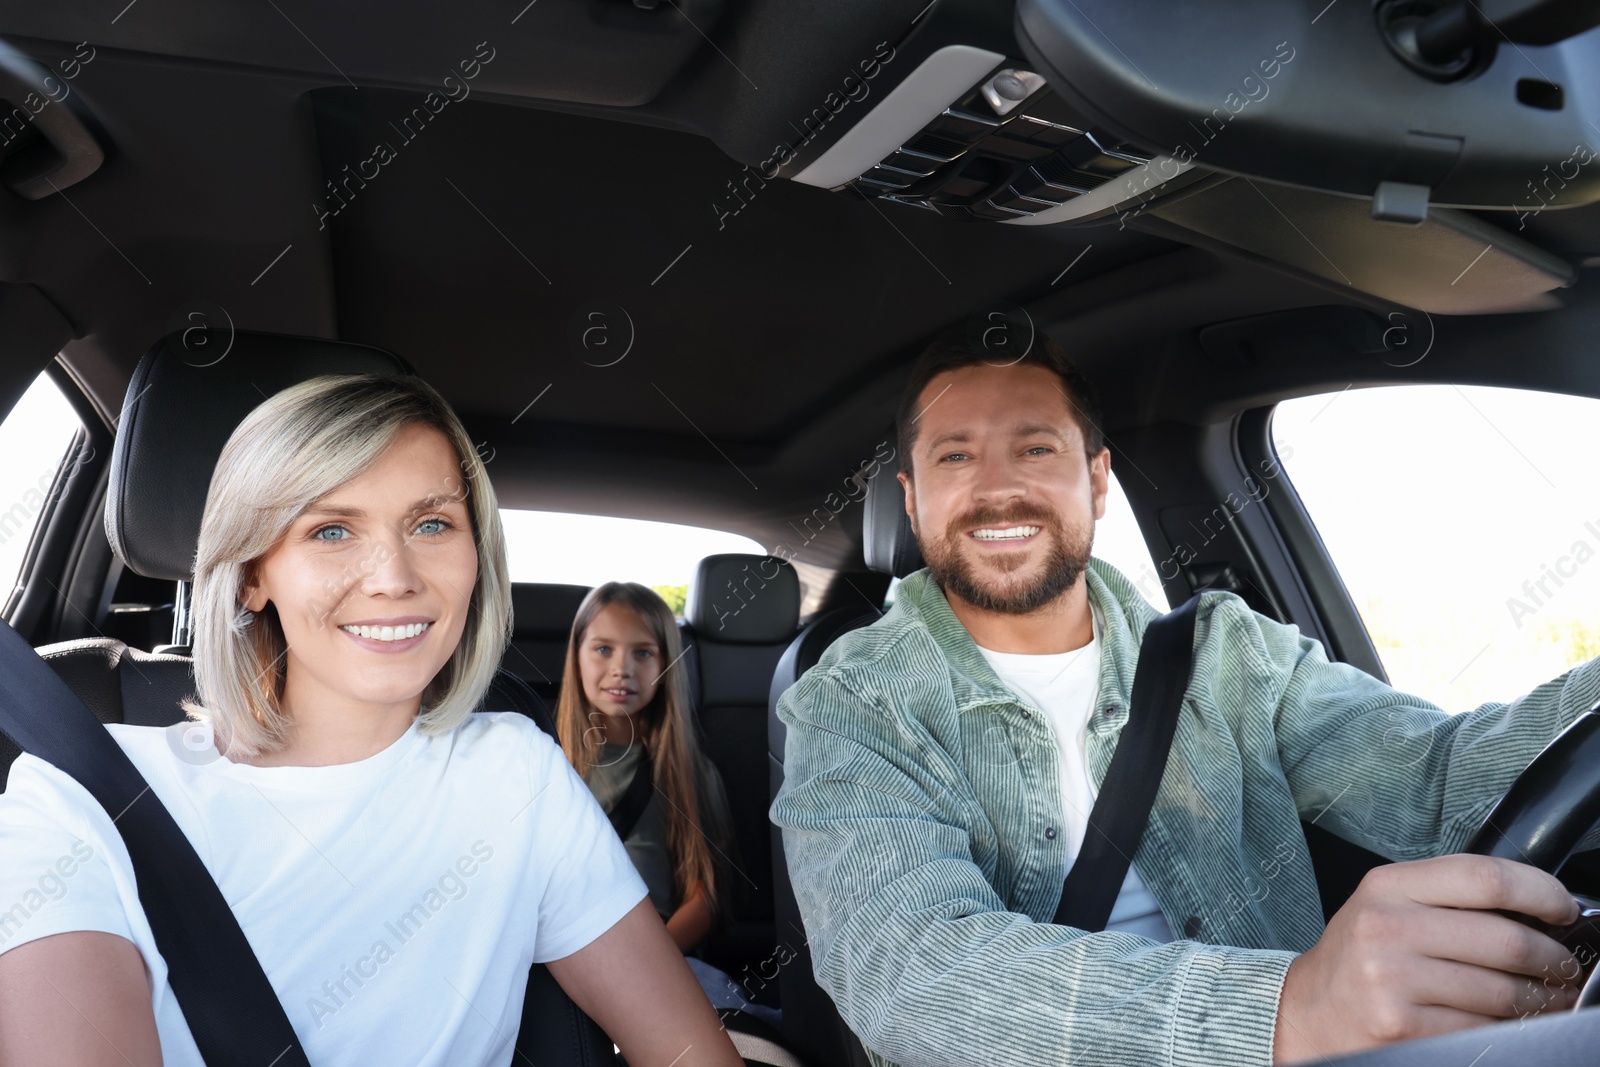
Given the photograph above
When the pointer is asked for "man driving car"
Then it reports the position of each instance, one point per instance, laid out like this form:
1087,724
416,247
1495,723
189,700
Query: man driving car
941,764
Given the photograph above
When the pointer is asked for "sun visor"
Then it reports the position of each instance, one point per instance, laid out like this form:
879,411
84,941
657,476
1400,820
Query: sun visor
1453,263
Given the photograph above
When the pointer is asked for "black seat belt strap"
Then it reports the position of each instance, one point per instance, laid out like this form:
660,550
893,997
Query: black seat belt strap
1117,821
624,815
229,1004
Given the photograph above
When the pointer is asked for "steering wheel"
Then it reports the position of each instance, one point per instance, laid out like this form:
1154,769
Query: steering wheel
1541,819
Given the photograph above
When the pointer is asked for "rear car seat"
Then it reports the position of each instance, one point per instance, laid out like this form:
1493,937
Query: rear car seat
742,612
541,624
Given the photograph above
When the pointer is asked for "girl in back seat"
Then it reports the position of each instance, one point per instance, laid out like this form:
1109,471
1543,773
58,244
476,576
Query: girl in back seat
624,722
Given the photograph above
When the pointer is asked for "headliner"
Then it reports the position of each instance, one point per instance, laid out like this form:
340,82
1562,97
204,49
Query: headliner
769,345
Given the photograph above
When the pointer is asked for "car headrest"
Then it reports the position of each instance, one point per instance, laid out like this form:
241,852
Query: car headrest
186,397
545,609
744,599
887,542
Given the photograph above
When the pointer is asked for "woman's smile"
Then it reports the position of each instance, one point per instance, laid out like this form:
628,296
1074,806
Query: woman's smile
392,637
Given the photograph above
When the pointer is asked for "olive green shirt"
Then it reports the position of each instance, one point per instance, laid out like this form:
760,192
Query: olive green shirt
647,844
921,802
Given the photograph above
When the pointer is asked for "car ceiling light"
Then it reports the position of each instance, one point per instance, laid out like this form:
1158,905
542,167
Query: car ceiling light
1010,87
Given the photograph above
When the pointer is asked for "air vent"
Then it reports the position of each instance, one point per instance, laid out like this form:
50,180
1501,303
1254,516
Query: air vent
934,144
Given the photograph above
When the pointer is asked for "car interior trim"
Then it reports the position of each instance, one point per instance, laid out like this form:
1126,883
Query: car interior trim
938,82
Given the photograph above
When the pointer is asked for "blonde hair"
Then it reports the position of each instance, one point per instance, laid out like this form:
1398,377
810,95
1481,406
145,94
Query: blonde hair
295,447
699,836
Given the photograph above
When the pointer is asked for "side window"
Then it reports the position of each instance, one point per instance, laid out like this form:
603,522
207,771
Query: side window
1465,523
34,439
1117,541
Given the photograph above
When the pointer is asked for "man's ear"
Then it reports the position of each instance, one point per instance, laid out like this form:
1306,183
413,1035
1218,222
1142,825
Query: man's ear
1100,480
904,478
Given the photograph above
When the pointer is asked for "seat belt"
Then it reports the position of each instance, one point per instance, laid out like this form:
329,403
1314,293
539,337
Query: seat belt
231,1008
624,815
1117,821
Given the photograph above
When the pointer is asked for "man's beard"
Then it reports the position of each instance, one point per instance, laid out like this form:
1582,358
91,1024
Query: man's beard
952,567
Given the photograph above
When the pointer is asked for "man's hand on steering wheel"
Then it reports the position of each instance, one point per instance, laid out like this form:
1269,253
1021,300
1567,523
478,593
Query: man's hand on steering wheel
1419,950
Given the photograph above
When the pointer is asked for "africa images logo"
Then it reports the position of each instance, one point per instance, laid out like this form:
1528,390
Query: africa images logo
339,991
51,885
342,190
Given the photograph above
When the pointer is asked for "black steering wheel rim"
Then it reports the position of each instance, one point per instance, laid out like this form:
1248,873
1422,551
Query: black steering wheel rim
1549,809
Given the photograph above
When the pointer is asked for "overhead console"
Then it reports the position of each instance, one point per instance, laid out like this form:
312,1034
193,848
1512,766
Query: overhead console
972,134
1395,147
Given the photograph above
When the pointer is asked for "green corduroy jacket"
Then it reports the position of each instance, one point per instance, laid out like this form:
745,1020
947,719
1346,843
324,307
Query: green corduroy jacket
920,809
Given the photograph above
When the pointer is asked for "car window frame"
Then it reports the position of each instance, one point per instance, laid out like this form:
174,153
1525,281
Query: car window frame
1345,635
68,557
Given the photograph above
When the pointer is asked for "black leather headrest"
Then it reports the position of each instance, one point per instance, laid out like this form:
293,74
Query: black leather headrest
187,396
886,538
545,609
744,599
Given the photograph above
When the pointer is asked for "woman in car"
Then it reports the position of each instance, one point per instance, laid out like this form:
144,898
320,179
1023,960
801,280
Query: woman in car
624,722
396,862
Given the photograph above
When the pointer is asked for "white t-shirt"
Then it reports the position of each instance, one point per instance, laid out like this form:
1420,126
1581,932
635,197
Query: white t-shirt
1065,685
395,903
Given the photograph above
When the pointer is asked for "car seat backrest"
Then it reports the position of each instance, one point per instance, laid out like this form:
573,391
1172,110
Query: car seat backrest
742,612
811,1023
541,625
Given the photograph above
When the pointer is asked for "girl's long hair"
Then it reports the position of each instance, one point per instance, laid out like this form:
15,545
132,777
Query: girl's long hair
698,832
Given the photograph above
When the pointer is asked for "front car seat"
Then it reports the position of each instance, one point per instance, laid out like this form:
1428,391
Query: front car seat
811,1023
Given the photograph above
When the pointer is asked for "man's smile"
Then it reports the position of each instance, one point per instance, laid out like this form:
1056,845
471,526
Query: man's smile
1007,536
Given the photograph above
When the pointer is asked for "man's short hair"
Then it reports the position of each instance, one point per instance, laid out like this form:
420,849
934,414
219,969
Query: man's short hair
952,350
